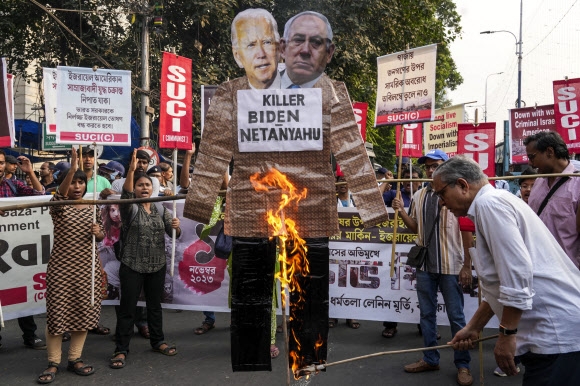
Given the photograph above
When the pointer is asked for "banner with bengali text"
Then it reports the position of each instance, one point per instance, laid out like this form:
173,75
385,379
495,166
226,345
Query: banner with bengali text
49,83
359,265
406,86
93,106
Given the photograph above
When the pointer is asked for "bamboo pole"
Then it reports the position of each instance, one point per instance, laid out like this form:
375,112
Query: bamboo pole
396,219
173,230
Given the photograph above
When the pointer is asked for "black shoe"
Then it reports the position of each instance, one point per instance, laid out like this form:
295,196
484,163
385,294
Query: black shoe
36,343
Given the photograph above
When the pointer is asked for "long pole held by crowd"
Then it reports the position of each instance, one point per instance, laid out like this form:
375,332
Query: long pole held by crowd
173,230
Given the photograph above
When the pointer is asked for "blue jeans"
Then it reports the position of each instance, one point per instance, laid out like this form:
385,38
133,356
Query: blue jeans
427,285
209,317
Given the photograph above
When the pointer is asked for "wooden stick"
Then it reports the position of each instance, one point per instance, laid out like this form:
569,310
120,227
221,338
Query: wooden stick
94,248
1,316
173,230
396,219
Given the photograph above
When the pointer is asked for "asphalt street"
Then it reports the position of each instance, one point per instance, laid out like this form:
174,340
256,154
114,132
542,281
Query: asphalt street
205,359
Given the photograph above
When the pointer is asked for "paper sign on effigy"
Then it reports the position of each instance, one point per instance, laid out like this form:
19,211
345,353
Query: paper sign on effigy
406,86
93,106
280,120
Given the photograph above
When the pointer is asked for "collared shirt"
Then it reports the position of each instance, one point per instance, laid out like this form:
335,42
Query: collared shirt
144,236
286,82
21,189
102,184
446,246
390,195
520,264
559,215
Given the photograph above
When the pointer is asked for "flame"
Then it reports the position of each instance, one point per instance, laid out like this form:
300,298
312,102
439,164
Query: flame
294,262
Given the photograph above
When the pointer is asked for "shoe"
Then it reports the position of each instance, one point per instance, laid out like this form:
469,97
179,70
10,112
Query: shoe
205,328
389,332
420,366
464,377
36,343
499,372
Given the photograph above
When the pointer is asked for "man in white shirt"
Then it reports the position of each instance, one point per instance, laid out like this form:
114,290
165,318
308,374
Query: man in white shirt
526,277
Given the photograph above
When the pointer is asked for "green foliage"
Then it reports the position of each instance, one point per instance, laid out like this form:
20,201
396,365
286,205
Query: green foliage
200,30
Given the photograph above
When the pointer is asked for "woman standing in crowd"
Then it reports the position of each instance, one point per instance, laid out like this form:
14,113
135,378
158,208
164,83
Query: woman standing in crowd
143,264
68,276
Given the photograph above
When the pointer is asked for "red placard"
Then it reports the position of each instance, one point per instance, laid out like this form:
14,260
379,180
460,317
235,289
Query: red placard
478,142
566,110
176,115
525,122
412,140
360,114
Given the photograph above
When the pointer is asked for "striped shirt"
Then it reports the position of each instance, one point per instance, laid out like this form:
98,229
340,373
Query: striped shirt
446,247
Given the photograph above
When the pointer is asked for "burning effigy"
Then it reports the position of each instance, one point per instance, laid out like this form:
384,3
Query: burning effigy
280,130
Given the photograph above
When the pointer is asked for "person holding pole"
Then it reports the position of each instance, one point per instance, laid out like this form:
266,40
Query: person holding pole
447,267
143,264
69,275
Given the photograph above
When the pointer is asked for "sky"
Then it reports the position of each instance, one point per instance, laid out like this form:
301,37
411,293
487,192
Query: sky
551,51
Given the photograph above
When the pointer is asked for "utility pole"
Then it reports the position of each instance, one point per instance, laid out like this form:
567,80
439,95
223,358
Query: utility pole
145,80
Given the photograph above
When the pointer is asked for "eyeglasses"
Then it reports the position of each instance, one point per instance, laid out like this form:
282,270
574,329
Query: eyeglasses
442,191
431,167
532,156
314,42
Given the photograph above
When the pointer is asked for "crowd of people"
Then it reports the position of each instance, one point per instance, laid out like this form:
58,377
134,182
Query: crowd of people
527,252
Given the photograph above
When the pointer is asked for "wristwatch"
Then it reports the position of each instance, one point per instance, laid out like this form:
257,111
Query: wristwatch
505,331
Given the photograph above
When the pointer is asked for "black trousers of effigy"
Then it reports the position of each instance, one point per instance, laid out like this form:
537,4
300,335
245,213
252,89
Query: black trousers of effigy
252,281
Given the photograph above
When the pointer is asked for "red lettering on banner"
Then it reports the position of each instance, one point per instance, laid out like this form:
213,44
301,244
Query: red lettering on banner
404,117
40,279
566,98
176,116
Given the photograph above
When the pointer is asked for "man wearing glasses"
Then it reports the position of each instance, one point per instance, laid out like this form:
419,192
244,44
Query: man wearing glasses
447,267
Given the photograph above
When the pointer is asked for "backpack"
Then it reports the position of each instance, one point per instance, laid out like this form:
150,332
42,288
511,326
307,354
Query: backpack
118,245
11,186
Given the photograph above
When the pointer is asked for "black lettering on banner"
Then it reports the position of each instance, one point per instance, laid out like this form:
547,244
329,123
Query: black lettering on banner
255,135
4,267
298,135
252,117
245,135
30,250
45,248
272,135
263,129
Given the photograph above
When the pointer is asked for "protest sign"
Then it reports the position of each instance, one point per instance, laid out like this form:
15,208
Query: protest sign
280,120
175,112
442,132
412,140
93,106
566,110
6,107
525,122
478,143
49,82
406,86
360,110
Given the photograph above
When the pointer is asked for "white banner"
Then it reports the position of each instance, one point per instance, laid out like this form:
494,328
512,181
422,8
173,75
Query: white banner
49,82
280,120
93,106
360,286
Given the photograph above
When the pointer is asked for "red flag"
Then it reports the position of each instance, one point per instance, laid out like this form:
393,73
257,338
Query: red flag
566,101
478,142
360,114
412,140
176,116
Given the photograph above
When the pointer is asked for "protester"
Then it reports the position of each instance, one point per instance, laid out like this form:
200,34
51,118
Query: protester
46,175
143,264
69,276
527,279
166,178
407,189
88,162
526,184
143,161
447,267
112,171
384,174
17,188
10,167
548,152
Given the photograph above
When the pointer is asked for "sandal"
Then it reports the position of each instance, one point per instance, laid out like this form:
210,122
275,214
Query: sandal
274,351
332,322
167,350
65,336
80,370
144,331
100,330
352,323
117,363
389,332
205,327
50,374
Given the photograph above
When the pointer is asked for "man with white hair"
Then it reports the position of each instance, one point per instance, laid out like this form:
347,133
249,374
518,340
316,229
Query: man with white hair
527,279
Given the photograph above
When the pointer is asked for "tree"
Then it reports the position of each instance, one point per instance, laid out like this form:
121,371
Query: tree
200,30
